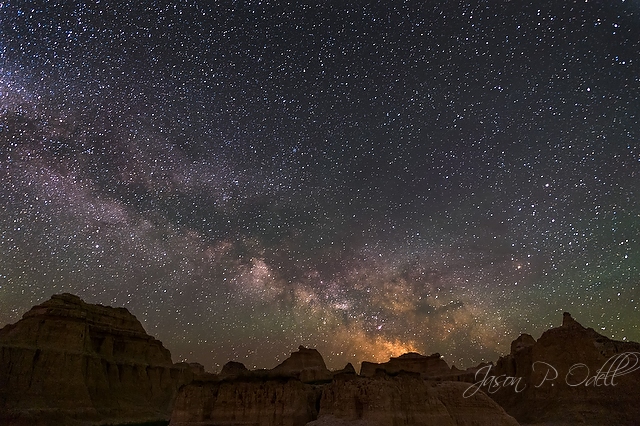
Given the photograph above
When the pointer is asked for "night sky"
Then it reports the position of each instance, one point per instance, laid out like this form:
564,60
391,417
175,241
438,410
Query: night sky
366,179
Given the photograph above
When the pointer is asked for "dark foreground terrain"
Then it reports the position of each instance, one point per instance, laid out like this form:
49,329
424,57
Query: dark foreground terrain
67,362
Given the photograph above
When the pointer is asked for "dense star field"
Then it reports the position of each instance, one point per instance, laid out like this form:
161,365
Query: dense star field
365,179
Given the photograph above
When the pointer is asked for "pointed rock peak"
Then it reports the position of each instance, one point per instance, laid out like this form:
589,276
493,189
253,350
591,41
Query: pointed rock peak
568,321
349,369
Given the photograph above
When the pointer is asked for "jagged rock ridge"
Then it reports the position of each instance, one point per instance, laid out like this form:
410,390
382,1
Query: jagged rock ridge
566,378
291,395
431,367
72,363
427,366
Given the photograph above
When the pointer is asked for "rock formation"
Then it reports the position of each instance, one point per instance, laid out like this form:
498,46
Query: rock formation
67,361
431,367
281,397
348,369
477,410
246,400
570,375
426,366
306,365
233,369
405,400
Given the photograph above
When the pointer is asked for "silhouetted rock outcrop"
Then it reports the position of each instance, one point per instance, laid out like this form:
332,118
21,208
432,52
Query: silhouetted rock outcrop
233,369
305,364
68,361
427,366
348,369
568,376
281,397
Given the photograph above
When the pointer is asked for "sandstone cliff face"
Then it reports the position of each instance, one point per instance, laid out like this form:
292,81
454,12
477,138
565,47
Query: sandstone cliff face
477,410
68,361
561,382
405,400
280,397
400,400
71,363
237,396
246,401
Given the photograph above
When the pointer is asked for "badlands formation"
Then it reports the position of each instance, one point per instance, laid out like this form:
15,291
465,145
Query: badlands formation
67,362
70,362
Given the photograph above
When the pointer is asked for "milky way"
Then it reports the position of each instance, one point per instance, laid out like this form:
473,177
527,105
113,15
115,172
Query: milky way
368,180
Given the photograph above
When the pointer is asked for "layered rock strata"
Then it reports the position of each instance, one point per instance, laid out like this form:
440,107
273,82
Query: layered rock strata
304,364
246,400
570,375
405,400
70,362
67,362
281,397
